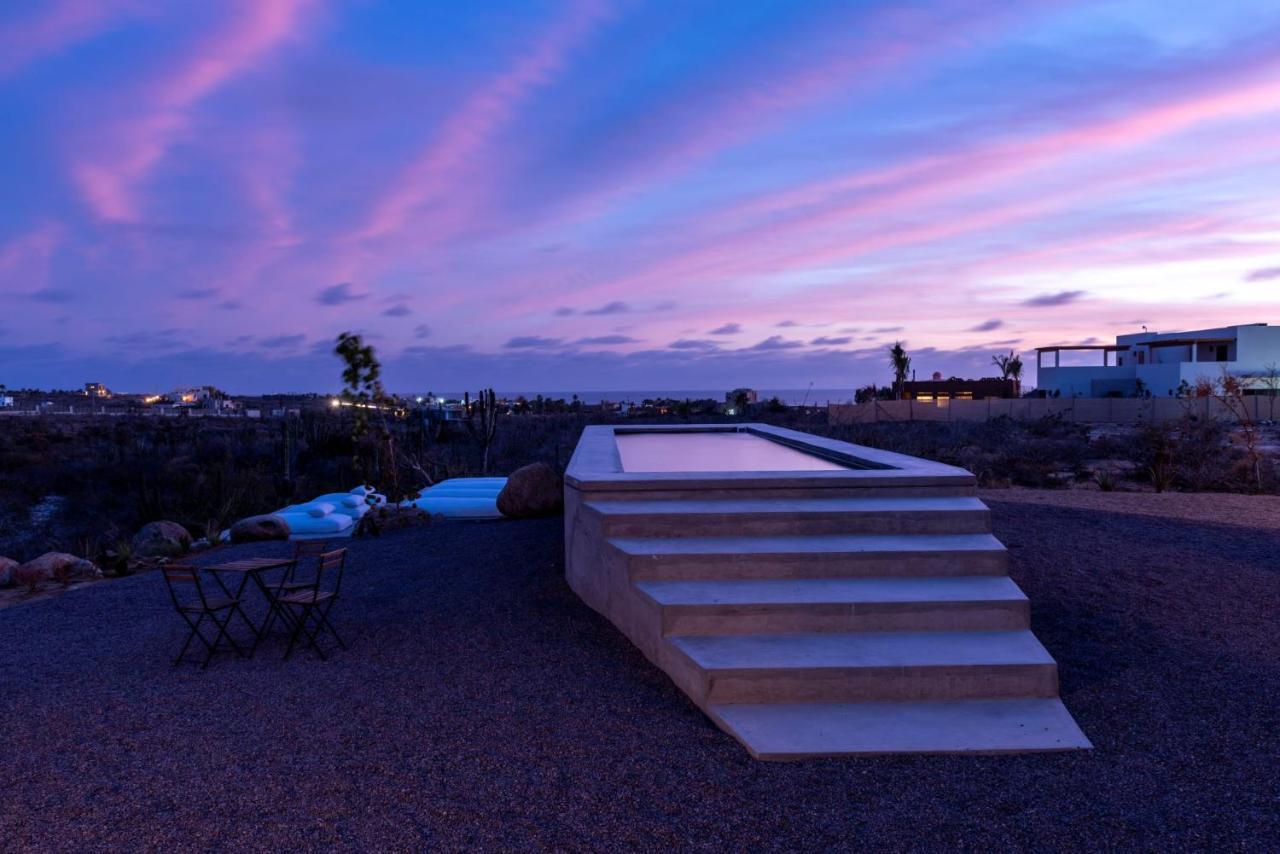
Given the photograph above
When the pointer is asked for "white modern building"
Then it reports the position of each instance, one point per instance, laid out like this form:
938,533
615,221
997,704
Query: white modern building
1159,363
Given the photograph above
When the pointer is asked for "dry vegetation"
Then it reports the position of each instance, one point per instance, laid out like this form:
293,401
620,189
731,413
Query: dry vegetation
115,474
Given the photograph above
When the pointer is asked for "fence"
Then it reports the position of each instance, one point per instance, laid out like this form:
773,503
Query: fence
1085,410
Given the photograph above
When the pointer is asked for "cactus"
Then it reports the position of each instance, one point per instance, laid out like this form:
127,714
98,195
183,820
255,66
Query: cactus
482,422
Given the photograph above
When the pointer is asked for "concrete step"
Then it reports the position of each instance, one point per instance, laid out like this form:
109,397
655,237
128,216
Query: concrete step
800,730
966,603
855,667
828,556
768,517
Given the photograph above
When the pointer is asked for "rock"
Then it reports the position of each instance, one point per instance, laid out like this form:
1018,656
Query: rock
55,566
384,519
7,566
161,539
535,490
255,528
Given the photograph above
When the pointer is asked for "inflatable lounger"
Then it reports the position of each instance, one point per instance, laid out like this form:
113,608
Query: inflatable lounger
462,498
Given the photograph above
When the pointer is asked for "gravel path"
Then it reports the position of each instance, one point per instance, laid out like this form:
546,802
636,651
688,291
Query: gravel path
481,705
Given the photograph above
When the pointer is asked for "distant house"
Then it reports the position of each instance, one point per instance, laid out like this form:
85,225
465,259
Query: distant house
204,397
6,402
1162,364
96,390
940,391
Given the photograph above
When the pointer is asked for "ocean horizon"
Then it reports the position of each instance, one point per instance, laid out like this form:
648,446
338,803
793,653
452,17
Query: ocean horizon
789,396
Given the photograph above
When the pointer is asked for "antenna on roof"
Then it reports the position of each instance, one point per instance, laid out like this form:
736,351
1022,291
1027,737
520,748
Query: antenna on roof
1144,327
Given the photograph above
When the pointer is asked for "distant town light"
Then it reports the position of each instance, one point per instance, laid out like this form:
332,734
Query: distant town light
335,402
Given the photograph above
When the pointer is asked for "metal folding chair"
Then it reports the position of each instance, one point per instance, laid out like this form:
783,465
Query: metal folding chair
307,607
299,576
194,610
306,557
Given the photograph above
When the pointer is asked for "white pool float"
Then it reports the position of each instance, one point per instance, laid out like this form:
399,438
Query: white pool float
462,498
304,526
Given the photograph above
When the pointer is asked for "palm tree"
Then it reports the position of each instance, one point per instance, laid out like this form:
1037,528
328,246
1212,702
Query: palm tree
1010,367
901,364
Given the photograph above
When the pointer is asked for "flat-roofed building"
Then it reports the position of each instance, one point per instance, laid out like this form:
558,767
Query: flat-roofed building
1163,364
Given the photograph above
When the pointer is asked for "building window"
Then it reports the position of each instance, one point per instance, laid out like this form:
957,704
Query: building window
1220,353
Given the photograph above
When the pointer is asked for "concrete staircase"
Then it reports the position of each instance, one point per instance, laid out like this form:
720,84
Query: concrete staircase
851,624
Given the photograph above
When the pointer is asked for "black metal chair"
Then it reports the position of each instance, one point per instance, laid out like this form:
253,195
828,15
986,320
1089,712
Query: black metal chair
299,576
307,607
306,557
195,609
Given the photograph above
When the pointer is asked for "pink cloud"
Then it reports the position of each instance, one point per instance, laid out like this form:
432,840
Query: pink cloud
126,151
57,27
446,170
25,260
932,181
700,128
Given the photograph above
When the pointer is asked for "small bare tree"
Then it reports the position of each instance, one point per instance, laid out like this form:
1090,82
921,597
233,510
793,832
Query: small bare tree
370,403
1270,381
1229,391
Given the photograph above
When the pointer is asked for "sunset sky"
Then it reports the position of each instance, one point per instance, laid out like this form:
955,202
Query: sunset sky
623,195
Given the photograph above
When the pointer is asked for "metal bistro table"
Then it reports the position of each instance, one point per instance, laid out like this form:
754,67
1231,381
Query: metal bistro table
253,569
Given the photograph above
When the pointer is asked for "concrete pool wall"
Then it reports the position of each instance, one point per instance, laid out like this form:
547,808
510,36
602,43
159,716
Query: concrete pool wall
859,605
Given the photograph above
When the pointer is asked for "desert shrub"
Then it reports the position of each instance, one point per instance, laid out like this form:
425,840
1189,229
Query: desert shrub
1192,454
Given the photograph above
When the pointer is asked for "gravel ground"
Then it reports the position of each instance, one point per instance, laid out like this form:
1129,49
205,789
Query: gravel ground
482,706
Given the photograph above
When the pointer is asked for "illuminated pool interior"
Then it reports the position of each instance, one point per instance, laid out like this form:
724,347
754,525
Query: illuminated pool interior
713,451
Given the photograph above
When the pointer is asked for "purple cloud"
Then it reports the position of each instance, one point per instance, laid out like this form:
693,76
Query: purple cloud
726,329
603,340
339,294
987,326
400,310
282,342
1266,274
52,295
532,342
197,293
775,342
1050,300
828,341
616,307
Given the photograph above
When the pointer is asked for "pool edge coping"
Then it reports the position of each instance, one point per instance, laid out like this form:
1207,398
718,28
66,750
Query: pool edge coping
597,465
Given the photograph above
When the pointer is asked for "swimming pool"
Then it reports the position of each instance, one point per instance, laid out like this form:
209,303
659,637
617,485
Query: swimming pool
713,451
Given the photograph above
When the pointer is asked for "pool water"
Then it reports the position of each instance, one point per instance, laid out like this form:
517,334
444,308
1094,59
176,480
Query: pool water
713,451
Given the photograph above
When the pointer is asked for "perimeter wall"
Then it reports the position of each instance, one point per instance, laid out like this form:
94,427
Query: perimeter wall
1080,409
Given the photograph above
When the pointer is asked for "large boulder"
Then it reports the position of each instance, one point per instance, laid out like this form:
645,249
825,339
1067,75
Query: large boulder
55,566
7,566
161,539
256,528
535,490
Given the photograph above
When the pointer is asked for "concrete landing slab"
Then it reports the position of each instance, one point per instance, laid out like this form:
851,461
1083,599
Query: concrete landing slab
850,591
813,544
932,504
801,730
862,650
